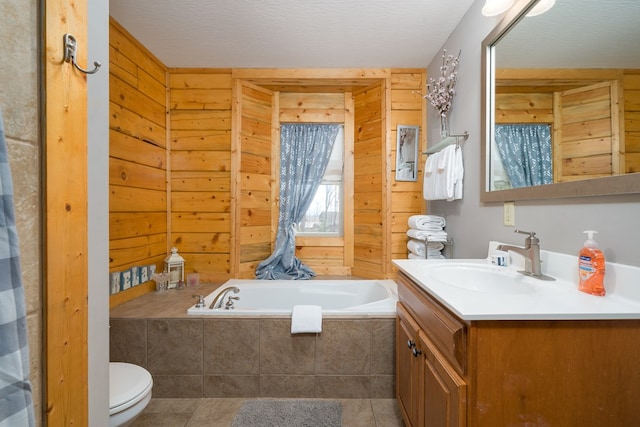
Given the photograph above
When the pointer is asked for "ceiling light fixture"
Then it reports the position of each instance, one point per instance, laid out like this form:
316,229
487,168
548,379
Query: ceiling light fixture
541,7
496,7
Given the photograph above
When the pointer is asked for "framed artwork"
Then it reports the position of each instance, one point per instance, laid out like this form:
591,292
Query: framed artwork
407,153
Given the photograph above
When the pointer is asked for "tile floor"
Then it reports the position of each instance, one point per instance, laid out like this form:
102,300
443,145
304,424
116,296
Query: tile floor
220,413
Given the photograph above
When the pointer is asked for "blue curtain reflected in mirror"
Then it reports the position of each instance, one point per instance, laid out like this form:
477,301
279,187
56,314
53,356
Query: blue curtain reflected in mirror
525,153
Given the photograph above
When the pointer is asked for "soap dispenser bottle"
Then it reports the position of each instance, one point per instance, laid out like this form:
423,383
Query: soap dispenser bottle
591,267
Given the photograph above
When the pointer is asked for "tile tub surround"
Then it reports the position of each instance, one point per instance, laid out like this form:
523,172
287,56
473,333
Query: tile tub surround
252,357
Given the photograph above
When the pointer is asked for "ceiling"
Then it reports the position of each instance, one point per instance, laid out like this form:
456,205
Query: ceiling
291,33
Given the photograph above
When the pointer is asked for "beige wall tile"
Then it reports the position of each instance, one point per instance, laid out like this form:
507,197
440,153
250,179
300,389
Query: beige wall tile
177,386
342,386
344,347
231,386
128,341
287,386
383,346
231,346
284,353
174,346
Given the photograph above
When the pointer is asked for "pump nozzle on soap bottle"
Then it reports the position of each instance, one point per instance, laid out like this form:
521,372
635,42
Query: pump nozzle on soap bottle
591,267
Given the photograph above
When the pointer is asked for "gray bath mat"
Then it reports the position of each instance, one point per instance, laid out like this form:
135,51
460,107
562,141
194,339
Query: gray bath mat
289,413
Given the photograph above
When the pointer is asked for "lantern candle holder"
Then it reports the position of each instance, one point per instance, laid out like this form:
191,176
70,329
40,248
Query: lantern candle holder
174,266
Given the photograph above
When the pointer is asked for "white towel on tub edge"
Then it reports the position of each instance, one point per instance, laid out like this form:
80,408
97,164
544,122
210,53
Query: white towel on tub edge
306,319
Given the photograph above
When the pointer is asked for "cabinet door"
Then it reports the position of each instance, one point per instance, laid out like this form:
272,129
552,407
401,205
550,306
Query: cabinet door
443,396
407,365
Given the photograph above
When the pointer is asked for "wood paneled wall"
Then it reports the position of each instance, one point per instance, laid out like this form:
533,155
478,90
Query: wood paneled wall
65,216
194,161
200,213
256,183
137,158
586,132
631,87
527,96
407,108
371,172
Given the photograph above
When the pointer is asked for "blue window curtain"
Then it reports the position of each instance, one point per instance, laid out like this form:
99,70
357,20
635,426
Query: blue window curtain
525,151
305,150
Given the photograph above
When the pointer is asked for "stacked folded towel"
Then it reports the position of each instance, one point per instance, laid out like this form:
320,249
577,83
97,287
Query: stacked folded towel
426,228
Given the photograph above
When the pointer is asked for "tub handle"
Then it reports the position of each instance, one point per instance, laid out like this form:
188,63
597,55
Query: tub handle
200,303
229,304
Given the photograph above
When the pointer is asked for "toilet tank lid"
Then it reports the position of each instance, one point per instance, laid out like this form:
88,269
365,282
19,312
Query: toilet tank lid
128,384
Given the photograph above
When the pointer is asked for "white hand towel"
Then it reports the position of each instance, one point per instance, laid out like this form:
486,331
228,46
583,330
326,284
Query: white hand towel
430,176
426,222
417,247
458,175
433,246
433,236
447,168
443,176
306,319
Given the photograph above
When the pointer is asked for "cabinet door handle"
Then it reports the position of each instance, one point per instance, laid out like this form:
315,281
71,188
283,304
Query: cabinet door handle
411,344
416,352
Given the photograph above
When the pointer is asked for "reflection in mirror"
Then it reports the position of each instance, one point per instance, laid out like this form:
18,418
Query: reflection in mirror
564,99
521,156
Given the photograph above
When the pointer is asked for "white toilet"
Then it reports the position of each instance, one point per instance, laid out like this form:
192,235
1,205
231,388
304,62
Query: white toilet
129,392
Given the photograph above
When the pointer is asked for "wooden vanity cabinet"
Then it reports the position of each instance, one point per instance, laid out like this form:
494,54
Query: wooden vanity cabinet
430,390
407,367
488,373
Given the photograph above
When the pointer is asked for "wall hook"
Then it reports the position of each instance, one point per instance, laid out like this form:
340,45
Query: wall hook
70,48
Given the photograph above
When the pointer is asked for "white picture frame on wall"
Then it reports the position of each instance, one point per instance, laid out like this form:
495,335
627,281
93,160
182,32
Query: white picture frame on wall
408,140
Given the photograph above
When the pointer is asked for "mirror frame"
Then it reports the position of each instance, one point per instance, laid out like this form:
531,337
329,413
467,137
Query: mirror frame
613,185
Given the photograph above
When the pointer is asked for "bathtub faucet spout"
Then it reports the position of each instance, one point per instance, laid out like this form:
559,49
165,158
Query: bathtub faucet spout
217,302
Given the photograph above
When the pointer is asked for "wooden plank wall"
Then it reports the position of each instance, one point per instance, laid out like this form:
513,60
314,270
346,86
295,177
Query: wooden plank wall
256,181
137,158
65,275
371,218
525,107
586,132
326,255
200,178
526,96
175,180
407,108
631,87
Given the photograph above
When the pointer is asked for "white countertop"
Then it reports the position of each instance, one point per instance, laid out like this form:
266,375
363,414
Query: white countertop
555,300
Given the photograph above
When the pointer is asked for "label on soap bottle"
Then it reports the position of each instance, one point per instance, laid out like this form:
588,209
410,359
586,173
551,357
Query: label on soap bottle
585,267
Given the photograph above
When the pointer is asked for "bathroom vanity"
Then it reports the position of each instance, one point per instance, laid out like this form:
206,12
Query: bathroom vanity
545,357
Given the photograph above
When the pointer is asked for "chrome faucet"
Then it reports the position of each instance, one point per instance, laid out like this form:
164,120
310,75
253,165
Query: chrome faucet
531,254
217,302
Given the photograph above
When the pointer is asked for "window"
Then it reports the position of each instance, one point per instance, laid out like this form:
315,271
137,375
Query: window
324,216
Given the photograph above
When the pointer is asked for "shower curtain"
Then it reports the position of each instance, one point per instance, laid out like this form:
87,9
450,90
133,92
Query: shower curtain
525,150
16,405
304,154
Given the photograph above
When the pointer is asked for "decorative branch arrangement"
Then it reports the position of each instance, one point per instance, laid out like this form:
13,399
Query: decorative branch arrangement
440,92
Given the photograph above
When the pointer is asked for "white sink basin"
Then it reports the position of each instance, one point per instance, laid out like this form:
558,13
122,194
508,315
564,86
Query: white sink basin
475,289
481,278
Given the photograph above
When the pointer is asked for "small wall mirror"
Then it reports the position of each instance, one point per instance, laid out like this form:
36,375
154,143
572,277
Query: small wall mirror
407,153
562,101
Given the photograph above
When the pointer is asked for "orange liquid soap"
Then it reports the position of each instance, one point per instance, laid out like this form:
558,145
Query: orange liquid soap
591,268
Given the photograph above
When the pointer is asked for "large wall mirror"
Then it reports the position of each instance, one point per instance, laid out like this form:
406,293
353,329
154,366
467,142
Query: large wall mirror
561,97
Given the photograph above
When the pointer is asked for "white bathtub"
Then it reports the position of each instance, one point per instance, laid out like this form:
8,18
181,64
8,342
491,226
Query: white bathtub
277,297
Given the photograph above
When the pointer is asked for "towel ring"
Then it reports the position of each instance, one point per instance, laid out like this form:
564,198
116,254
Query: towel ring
70,49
